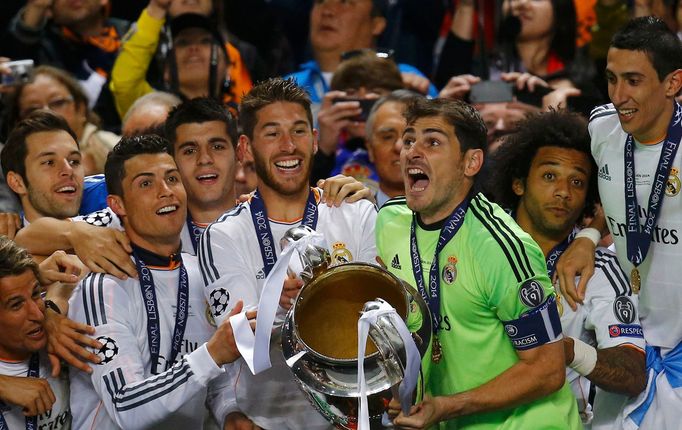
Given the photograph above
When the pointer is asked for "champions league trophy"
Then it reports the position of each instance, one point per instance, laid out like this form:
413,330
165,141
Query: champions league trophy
320,336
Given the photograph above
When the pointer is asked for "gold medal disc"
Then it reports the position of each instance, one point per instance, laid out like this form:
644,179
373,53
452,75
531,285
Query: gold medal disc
436,351
635,280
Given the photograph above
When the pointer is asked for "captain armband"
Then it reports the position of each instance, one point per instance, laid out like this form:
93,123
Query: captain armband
536,327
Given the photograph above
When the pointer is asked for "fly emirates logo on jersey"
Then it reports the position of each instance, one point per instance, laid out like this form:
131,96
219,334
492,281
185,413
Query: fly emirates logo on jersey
661,233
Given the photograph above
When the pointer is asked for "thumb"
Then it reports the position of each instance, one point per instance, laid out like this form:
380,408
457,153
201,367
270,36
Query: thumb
237,308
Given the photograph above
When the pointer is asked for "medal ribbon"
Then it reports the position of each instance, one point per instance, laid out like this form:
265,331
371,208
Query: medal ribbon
447,232
556,252
33,372
639,238
153,317
194,232
266,241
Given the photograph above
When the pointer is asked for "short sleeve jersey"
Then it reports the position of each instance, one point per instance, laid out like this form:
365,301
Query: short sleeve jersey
487,271
660,298
233,269
59,417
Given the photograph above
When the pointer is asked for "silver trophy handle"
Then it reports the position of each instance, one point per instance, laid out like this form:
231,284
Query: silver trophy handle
387,340
314,260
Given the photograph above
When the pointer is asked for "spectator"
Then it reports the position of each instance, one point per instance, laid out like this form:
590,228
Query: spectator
357,82
385,126
79,37
215,70
148,112
337,27
54,89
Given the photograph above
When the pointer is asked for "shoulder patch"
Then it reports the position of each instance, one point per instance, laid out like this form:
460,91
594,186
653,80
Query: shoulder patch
531,293
624,310
108,351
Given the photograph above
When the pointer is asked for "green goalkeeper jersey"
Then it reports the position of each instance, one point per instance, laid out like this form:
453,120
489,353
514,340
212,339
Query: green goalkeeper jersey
485,271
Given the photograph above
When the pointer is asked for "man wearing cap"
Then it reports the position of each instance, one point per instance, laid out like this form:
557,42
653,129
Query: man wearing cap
198,64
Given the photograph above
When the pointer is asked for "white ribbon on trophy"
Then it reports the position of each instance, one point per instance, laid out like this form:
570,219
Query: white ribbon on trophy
411,371
255,349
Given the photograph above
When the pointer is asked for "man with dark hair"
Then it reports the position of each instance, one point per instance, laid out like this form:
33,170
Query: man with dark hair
544,171
42,164
634,143
279,136
160,349
484,280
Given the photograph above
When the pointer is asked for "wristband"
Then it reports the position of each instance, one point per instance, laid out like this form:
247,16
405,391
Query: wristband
590,233
584,357
49,304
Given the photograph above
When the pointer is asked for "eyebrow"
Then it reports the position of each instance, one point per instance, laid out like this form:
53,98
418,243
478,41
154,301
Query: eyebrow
554,163
626,74
52,153
277,124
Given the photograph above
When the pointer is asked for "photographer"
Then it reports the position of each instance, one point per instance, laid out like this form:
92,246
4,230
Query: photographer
504,103
357,83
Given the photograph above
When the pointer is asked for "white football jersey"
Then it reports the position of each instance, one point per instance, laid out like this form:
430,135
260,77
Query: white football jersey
57,418
232,270
660,298
107,218
122,392
607,318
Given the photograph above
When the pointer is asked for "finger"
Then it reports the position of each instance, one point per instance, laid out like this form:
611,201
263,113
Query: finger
236,309
345,191
40,406
250,315
380,261
566,288
582,284
72,360
81,328
112,269
124,241
55,365
52,276
48,395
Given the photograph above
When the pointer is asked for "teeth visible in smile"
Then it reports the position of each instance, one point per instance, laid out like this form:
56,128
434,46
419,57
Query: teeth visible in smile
288,164
67,189
167,209
415,171
627,111
207,176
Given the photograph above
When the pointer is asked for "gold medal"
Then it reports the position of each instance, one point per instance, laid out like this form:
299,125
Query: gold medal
635,280
436,350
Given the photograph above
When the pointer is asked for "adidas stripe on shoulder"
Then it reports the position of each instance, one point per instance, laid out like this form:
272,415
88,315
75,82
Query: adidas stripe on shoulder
510,244
400,200
603,110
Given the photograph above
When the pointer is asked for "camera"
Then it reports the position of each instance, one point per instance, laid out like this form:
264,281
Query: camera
365,105
504,92
20,72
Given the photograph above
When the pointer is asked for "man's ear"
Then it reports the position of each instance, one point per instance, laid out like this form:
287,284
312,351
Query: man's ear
378,25
116,204
316,135
674,83
518,187
244,151
473,161
16,183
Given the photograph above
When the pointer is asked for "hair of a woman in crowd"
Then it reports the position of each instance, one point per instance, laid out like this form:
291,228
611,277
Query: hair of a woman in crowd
55,89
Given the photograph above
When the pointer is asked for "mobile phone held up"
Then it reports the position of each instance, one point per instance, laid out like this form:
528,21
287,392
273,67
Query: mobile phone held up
504,92
365,105
20,72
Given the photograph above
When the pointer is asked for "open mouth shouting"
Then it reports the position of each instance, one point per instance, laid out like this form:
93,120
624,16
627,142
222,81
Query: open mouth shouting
417,179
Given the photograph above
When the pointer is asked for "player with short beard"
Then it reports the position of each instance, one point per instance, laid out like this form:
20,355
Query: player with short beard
278,134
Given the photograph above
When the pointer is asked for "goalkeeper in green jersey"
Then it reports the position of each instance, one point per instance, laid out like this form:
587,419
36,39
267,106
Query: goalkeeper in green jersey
496,360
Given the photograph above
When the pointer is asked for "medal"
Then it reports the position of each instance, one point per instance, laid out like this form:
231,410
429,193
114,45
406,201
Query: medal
635,280
436,350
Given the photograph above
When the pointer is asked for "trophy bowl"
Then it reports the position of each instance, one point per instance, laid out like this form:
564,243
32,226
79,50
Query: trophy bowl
322,328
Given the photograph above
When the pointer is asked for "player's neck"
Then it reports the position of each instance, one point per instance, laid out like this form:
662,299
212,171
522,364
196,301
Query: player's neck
546,240
286,208
163,247
440,213
659,129
207,213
